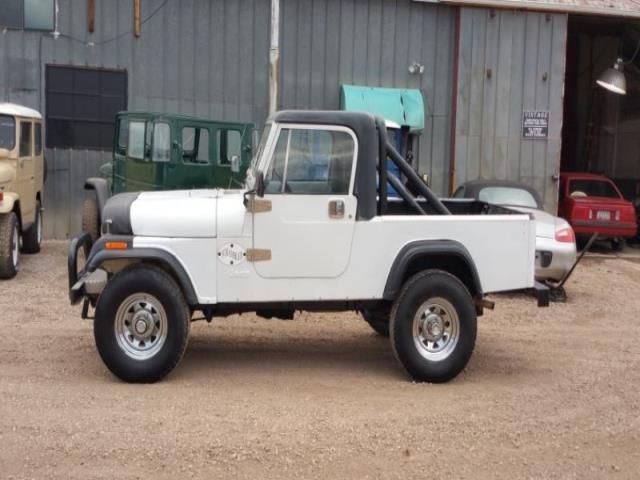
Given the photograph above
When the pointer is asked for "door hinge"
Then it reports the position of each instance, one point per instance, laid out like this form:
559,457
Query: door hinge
258,206
258,254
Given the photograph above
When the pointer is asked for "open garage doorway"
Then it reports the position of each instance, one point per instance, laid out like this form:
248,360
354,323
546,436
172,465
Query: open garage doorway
601,129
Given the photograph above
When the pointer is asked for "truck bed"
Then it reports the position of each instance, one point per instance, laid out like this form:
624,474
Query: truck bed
463,206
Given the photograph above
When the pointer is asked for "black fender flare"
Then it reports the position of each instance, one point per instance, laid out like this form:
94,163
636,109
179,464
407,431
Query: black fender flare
101,187
156,256
436,250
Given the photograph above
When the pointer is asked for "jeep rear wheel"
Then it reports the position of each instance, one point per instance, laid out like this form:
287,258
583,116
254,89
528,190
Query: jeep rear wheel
141,326
9,245
91,217
433,326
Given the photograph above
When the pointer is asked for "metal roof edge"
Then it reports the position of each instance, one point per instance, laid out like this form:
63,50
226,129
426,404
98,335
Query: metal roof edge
542,7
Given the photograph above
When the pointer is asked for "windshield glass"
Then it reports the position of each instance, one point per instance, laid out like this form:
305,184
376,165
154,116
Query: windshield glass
263,140
250,179
7,132
592,188
507,196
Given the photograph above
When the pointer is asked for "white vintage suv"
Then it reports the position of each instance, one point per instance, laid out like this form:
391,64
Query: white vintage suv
314,230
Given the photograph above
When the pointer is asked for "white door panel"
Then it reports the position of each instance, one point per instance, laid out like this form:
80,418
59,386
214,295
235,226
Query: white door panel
304,240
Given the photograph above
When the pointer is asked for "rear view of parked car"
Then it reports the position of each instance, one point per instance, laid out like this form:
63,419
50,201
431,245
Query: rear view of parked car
593,204
555,240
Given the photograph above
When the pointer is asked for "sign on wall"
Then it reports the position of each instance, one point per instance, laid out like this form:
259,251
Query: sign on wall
535,124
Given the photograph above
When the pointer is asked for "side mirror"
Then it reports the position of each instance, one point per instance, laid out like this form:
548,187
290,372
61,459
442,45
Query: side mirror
235,163
260,186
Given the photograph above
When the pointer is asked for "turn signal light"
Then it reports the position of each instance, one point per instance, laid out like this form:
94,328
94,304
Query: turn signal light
116,245
565,235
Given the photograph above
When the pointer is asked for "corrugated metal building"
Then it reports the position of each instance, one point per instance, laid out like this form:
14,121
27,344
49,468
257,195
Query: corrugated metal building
486,63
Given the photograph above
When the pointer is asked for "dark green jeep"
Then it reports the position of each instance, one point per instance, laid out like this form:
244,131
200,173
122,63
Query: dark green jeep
156,151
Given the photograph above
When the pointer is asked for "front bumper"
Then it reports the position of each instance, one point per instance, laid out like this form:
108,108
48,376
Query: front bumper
82,241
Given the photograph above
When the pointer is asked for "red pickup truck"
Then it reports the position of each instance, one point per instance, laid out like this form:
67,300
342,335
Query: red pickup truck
592,203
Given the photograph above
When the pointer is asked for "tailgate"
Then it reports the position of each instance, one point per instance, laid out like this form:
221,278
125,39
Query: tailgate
503,249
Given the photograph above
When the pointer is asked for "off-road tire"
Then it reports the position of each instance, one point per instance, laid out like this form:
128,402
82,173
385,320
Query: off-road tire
32,238
8,225
378,320
91,217
148,280
420,290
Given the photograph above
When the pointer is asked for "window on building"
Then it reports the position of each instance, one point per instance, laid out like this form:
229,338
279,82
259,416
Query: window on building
25,139
37,138
28,14
195,145
229,145
311,162
161,143
81,106
7,132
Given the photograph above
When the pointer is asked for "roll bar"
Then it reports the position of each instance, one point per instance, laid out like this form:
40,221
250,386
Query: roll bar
415,184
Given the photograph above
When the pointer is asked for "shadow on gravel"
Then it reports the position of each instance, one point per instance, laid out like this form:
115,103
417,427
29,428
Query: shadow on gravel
369,355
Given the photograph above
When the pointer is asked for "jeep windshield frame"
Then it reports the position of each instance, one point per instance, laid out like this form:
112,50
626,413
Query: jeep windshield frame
7,132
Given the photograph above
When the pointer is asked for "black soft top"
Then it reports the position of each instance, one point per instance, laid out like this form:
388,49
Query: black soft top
364,126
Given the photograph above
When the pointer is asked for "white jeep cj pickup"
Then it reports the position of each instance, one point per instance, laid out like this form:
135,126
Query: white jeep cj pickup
314,230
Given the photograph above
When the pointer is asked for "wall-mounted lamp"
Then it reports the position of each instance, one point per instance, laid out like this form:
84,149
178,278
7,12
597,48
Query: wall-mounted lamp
416,69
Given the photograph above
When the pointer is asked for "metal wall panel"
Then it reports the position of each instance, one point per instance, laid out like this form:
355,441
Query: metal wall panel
509,61
202,57
327,43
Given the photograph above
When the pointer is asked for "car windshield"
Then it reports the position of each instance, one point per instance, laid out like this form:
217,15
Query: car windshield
7,132
263,141
592,188
508,196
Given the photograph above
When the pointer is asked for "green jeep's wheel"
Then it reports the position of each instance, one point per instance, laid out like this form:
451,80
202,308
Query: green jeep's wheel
9,245
32,238
141,325
91,217
433,326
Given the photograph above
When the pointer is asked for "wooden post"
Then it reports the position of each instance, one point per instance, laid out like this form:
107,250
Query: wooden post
91,15
136,18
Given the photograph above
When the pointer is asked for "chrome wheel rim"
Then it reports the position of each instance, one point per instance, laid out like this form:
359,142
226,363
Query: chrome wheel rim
436,329
15,246
141,326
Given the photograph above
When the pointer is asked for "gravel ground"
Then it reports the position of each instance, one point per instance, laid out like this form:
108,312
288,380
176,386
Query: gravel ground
549,393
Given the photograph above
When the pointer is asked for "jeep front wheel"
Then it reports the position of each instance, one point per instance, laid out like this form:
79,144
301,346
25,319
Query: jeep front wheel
9,245
141,325
433,326
32,238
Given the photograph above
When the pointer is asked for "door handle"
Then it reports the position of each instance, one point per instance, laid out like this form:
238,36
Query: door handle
336,209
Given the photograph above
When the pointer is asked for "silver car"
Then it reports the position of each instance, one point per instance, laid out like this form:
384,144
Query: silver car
555,240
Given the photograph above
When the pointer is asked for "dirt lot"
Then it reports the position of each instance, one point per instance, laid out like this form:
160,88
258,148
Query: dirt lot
549,393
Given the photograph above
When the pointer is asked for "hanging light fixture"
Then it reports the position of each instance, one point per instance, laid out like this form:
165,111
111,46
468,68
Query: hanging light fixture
613,79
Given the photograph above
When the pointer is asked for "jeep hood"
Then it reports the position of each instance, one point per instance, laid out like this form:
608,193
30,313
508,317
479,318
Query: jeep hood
183,213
